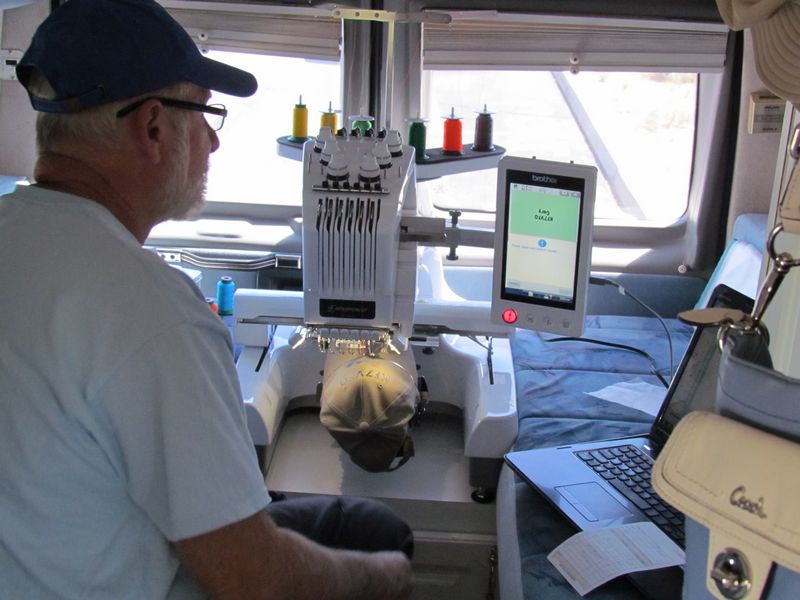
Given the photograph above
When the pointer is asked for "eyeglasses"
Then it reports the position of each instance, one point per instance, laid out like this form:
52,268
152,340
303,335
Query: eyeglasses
214,113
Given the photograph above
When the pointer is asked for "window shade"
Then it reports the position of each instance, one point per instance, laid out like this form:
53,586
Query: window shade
277,30
491,40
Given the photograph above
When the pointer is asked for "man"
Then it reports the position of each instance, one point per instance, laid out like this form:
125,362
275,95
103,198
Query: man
126,469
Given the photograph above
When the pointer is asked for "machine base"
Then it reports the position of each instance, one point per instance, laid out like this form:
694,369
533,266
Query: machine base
462,376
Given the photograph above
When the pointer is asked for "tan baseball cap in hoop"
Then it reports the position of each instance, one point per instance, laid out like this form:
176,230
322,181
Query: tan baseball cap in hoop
366,405
775,25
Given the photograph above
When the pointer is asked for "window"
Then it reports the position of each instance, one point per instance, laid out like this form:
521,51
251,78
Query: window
637,128
628,107
247,167
620,94
293,51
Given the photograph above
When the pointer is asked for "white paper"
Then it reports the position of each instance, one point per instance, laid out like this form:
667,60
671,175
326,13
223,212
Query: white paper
636,394
591,558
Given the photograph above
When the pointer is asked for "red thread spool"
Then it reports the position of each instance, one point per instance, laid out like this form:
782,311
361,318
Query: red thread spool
452,134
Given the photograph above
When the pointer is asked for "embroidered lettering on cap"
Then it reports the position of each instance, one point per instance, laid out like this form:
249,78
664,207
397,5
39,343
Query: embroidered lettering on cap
369,374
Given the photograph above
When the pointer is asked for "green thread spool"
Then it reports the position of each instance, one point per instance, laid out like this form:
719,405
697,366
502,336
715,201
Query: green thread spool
361,123
417,138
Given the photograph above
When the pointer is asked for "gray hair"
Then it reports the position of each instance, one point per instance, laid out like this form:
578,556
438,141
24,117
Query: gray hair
97,126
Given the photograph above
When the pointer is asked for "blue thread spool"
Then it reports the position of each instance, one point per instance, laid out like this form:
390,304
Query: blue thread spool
225,289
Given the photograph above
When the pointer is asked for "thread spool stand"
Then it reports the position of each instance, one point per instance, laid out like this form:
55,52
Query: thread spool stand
291,146
434,162
456,157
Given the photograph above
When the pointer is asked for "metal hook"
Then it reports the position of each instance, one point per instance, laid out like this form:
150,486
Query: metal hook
781,264
794,144
783,260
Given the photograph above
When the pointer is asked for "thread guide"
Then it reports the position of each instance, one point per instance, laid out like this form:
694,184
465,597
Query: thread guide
436,164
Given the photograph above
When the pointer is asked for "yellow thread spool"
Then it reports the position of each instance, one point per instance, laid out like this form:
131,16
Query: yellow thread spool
299,122
328,118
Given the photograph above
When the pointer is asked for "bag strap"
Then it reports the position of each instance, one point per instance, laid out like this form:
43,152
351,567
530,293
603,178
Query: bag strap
750,348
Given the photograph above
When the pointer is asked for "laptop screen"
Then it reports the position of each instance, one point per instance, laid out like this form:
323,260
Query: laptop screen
694,386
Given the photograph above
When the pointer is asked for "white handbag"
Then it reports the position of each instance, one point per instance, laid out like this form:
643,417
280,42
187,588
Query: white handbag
742,486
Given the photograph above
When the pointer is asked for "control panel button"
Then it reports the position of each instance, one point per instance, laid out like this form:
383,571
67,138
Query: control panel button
510,315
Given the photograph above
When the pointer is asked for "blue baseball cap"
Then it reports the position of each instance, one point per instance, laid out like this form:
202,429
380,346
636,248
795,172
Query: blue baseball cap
98,51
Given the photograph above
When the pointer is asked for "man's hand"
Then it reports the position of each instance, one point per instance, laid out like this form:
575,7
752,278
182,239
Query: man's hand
396,568
255,559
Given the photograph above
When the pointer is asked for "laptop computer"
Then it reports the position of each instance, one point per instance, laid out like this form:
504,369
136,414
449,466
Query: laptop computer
590,483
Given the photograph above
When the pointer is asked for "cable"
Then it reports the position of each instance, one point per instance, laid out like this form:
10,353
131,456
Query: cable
652,360
475,339
624,292
489,351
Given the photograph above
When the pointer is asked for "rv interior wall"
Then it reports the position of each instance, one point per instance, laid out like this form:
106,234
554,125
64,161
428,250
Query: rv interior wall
752,185
17,120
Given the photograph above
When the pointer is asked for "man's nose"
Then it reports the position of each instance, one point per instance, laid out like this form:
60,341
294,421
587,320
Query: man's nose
214,140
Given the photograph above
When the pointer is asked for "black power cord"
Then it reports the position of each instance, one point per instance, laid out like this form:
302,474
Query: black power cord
664,382
624,292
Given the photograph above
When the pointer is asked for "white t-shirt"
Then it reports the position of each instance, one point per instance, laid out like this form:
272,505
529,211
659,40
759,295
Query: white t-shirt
122,426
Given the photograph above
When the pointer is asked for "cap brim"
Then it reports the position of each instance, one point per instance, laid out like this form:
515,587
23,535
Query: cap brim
777,52
218,76
373,451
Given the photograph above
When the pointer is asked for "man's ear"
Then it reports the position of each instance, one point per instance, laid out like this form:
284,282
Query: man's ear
149,128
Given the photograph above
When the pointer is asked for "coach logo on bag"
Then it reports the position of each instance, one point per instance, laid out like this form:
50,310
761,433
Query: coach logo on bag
739,500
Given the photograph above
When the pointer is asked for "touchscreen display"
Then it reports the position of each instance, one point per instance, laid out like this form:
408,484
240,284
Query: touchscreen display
542,238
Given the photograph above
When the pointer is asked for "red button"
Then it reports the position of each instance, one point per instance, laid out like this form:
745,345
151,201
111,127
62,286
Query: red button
510,315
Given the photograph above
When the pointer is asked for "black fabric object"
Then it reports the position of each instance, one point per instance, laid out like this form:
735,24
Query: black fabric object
345,523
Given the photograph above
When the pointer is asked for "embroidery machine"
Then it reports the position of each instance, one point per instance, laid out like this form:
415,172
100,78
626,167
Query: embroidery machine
371,282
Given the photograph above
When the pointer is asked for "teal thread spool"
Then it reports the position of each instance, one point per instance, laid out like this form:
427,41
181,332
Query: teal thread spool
225,289
417,138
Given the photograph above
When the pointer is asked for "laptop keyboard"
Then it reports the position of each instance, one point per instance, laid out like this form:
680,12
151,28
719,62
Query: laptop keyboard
628,469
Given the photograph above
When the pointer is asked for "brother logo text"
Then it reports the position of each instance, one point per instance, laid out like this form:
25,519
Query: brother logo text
544,179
